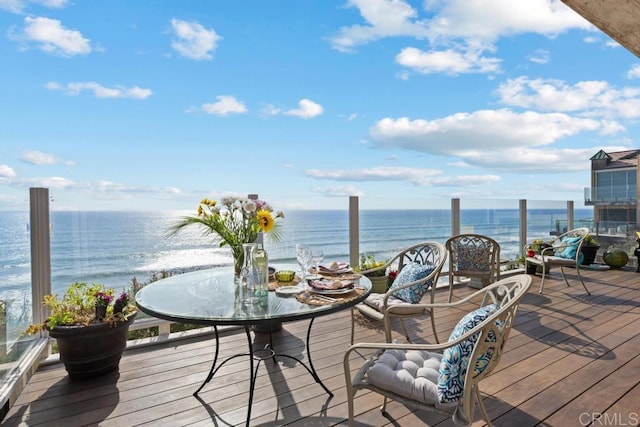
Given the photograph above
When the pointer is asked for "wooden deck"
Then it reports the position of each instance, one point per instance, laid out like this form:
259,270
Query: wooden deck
570,357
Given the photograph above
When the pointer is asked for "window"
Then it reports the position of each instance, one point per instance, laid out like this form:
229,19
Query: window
616,185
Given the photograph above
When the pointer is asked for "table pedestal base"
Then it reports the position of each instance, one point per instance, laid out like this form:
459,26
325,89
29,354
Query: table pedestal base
267,326
260,355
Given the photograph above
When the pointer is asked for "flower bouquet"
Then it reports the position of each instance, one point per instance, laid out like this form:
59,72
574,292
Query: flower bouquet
233,221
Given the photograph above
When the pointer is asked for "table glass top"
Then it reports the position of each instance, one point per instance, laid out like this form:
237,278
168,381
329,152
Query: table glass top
210,297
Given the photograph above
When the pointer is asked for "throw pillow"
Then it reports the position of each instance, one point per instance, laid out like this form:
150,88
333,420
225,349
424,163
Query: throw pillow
570,248
411,273
455,360
475,259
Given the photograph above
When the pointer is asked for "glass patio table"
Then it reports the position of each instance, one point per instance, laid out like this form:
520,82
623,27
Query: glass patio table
210,297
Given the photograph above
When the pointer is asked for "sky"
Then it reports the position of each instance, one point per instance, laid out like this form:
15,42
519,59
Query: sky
154,105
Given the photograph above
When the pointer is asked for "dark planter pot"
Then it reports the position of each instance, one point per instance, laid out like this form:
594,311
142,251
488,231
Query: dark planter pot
94,350
589,253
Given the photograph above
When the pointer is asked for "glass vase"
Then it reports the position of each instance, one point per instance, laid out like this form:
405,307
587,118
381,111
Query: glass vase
261,274
247,275
238,263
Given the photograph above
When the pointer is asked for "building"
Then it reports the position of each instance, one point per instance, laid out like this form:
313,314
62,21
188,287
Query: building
614,191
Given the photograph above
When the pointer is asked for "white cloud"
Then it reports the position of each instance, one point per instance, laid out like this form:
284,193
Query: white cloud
270,110
461,133
447,61
383,173
74,88
307,109
193,40
101,189
634,72
533,160
338,191
490,20
458,31
590,98
7,172
414,176
224,105
38,158
384,18
612,43
18,6
52,37
496,139
15,6
540,56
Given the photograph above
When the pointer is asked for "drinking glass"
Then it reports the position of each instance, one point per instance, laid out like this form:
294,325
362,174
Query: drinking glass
317,256
303,255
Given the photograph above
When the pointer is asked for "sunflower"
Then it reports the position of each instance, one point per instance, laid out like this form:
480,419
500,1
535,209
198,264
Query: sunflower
265,220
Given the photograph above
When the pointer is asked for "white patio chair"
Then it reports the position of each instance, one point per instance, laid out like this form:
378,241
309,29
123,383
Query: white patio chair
439,377
564,250
473,256
418,269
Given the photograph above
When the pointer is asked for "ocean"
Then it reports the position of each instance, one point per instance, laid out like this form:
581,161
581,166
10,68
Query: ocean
113,247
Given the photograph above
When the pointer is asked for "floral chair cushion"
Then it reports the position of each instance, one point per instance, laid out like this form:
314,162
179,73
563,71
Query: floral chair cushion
411,273
474,258
455,360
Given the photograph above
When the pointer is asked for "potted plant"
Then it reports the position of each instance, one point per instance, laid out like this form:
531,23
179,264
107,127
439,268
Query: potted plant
589,249
90,326
372,269
535,248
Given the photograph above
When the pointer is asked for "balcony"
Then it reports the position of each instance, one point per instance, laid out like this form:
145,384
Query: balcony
571,359
361,229
621,196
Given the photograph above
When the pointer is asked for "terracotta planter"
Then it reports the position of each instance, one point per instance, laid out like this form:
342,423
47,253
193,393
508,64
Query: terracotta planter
90,351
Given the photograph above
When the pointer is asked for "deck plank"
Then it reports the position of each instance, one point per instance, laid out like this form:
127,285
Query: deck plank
568,354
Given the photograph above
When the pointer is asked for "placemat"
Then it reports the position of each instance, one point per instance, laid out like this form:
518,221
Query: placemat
275,284
312,298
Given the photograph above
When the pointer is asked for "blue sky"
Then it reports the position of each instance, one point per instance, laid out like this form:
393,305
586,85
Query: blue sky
153,105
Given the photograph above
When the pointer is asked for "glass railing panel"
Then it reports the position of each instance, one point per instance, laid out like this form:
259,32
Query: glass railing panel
498,219
388,225
624,194
15,290
546,218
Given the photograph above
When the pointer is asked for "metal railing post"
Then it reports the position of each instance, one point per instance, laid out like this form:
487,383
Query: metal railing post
354,231
570,215
40,251
455,216
523,225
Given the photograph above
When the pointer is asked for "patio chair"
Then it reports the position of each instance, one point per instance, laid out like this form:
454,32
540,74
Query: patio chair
418,269
438,377
564,250
473,256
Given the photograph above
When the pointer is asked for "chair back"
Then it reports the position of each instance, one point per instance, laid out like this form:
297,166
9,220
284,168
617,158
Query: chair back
474,255
579,233
424,253
492,335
